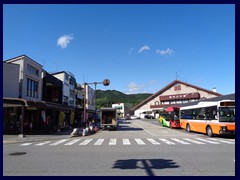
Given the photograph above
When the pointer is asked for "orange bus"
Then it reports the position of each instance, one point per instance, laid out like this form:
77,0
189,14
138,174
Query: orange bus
211,118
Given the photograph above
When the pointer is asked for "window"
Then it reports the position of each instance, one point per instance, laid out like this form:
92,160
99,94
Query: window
32,88
65,99
156,102
177,87
66,77
32,70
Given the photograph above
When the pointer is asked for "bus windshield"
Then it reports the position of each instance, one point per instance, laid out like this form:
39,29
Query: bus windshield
226,114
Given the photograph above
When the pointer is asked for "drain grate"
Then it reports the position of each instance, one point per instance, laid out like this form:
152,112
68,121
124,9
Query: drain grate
18,153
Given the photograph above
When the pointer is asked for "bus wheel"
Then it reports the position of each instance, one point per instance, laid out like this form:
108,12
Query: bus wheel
188,128
209,131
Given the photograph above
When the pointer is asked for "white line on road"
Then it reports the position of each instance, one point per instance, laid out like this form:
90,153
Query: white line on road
72,142
166,141
193,141
126,142
113,142
180,141
26,144
208,141
221,140
144,129
43,143
86,142
58,142
153,141
140,142
99,142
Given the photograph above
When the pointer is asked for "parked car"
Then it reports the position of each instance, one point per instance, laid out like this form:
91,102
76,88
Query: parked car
148,116
134,117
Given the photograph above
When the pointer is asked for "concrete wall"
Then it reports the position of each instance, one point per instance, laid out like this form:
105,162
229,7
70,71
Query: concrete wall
11,80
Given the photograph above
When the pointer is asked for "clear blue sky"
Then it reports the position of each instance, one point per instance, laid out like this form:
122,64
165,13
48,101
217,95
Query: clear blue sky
139,48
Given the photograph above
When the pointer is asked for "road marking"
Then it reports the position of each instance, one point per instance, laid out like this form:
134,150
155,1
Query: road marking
113,142
144,129
86,142
43,143
153,141
140,142
193,141
72,142
180,141
58,142
25,144
99,142
205,140
166,141
126,142
221,140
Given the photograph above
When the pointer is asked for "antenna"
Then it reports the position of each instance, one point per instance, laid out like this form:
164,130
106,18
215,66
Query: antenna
176,76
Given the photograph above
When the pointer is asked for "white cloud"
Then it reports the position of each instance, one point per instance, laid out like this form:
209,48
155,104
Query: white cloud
64,40
152,81
133,88
164,52
143,48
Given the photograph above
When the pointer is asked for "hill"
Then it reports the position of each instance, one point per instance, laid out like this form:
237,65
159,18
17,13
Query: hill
109,97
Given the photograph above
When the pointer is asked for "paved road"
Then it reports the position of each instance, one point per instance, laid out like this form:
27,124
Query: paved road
138,147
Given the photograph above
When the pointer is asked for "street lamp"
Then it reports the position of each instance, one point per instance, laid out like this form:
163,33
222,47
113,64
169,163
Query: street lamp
105,82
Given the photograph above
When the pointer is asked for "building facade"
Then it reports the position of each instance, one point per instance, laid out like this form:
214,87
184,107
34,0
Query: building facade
120,109
11,80
35,101
174,94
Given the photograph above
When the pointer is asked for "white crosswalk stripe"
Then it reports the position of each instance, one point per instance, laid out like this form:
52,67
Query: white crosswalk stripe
126,142
72,142
25,144
84,143
166,141
208,141
153,141
180,141
140,142
193,141
99,142
58,142
113,142
221,140
43,143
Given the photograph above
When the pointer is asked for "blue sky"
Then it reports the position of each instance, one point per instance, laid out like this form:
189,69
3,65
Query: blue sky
139,48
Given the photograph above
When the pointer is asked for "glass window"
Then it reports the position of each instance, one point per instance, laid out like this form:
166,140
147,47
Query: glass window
32,88
32,70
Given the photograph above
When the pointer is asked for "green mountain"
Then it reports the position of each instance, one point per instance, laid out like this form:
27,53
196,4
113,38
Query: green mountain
109,97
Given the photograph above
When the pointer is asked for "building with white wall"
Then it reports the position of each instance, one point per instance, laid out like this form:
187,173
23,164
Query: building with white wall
69,83
30,80
174,94
11,80
120,109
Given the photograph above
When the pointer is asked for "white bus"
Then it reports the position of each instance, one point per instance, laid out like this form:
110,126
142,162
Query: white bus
211,118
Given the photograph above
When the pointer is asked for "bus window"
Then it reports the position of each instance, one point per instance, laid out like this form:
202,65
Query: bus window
226,114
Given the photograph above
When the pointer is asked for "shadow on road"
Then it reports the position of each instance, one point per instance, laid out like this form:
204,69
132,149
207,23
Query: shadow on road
147,164
128,128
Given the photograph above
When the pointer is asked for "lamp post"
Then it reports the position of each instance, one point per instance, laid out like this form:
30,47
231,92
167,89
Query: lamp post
105,82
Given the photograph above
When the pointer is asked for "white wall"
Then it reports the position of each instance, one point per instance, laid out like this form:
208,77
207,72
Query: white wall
10,80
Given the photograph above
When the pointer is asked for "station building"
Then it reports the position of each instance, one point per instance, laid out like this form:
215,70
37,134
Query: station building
176,93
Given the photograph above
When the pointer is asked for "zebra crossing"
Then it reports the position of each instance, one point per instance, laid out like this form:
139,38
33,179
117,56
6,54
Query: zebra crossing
133,141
